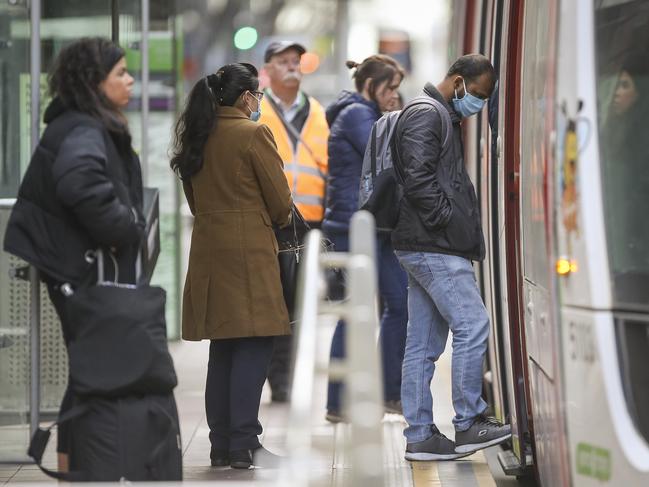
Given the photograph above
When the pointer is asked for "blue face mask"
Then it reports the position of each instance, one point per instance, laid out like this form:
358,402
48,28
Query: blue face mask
467,105
254,116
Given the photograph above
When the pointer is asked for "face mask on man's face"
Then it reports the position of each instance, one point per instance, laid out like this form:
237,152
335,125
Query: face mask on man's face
469,104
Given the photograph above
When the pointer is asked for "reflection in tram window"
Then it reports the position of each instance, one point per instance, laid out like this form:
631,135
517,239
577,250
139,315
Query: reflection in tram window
622,41
623,107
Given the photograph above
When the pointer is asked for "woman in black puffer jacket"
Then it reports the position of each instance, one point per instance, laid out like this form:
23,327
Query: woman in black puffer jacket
350,119
83,187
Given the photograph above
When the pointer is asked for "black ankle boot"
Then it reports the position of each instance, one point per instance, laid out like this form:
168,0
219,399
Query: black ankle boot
219,458
240,459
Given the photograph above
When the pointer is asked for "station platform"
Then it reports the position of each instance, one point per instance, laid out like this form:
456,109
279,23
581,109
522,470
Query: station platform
331,468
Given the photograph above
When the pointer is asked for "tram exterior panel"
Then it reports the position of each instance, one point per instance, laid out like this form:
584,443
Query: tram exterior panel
568,353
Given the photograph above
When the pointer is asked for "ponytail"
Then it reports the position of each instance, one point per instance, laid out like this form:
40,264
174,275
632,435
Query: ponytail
198,119
379,68
192,129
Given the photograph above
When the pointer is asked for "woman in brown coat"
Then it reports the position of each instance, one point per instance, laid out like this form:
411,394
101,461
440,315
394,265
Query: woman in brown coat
236,189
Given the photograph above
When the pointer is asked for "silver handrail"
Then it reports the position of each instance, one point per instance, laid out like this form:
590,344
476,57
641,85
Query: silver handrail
360,370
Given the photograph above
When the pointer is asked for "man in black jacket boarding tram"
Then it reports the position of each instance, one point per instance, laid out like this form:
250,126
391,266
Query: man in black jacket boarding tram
437,236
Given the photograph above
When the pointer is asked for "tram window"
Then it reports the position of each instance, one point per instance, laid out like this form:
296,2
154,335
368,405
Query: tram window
622,41
633,343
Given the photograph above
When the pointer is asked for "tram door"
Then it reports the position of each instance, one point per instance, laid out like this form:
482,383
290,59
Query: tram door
508,218
540,330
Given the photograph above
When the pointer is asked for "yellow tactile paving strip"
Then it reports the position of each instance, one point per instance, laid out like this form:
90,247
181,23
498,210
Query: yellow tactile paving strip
453,474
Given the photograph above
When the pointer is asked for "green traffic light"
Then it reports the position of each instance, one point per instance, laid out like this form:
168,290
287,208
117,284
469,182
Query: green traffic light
245,38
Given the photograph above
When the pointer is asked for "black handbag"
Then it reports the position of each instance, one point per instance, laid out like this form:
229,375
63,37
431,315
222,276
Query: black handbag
289,240
118,339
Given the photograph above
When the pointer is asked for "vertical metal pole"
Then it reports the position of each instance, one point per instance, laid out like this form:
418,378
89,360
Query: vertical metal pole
114,21
362,240
144,47
34,282
365,389
178,229
342,31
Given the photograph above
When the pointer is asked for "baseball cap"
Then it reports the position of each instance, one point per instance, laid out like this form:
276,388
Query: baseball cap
276,47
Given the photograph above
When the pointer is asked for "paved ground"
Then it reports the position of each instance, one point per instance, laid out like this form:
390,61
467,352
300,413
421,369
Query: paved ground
329,467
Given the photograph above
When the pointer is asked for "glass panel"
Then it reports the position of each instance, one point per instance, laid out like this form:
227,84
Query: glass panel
536,121
14,110
14,322
164,48
633,346
622,40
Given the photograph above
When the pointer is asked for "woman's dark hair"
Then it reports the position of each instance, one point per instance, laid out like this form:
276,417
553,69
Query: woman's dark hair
379,68
77,73
198,118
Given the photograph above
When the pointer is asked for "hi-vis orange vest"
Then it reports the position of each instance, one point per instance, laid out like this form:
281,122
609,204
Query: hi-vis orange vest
305,167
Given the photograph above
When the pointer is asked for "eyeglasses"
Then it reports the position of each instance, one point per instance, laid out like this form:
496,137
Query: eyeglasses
257,94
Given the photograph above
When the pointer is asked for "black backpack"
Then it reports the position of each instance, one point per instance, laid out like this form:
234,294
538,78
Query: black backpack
379,192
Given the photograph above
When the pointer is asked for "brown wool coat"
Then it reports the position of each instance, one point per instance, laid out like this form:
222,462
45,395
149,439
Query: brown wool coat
233,287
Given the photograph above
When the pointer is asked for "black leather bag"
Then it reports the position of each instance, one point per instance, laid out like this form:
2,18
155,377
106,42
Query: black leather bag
119,339
289,240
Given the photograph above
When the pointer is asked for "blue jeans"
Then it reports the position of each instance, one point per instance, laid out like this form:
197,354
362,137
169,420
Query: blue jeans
443,295
394,300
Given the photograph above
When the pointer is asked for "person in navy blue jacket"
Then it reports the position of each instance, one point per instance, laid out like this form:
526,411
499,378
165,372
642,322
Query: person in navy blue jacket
350,119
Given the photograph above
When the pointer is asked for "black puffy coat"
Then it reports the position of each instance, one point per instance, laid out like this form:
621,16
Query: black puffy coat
350,119
439,211
82,190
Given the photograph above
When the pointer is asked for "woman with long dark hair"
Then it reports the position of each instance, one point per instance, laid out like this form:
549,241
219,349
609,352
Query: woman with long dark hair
236,189
350,119
83,187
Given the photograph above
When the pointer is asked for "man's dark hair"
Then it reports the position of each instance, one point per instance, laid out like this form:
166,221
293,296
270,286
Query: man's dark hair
471,67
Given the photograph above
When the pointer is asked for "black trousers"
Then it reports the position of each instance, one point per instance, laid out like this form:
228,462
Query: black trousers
58,300
236,372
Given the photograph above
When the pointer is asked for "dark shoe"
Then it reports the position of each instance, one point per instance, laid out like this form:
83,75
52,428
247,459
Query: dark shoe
240,459
437,447
335,417
393,407
483,432
265,459
280,395
220,458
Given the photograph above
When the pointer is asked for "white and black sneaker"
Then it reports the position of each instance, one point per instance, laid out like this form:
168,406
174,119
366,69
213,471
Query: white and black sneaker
437,447
483,432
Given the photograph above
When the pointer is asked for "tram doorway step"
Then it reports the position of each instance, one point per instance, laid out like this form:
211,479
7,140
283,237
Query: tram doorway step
512,465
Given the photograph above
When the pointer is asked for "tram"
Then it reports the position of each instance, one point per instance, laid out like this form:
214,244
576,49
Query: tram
560,161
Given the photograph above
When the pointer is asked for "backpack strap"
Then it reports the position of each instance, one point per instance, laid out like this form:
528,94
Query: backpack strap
447,129
447,125
373,151
42,436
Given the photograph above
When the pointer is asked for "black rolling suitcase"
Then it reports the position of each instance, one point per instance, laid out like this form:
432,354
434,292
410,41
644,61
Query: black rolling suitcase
131,438
124,424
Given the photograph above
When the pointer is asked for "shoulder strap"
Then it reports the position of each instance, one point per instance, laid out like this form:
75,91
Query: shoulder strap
373,151
447,128
289,126
447,125
42,436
